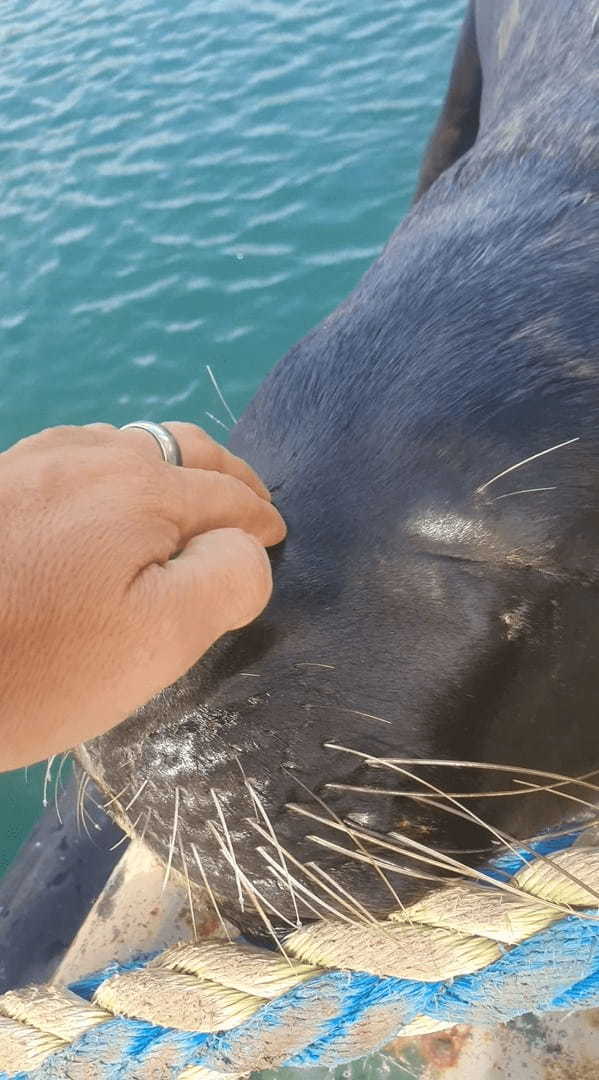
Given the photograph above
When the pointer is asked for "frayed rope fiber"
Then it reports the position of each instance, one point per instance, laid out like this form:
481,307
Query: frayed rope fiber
524,937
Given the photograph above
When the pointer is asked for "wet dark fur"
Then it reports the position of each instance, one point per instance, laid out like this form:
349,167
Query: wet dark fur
469,621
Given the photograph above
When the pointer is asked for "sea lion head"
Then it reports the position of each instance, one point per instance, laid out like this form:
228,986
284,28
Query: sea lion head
433,448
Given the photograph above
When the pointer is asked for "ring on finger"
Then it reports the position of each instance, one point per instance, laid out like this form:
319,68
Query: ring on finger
169,447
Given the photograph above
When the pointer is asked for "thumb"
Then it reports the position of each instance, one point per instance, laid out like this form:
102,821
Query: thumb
220,581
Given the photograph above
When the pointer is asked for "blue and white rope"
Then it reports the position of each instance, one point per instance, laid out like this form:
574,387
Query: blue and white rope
334,1013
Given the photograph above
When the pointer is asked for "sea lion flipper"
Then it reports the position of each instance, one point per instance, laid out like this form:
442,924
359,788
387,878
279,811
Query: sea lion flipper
457,126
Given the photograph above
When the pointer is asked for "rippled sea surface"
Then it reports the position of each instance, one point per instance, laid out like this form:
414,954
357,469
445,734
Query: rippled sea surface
192,183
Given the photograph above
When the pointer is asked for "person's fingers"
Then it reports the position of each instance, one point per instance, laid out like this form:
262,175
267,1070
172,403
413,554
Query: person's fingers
221,581
199,500
201,451
198,451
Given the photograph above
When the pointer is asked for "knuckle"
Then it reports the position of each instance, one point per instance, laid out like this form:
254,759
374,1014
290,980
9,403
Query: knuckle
63,436
101,428
56,474
53,436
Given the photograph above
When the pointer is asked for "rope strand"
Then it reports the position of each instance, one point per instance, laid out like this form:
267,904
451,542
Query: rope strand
467,953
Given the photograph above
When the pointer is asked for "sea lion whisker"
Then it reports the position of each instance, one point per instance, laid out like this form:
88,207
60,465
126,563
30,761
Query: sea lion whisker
265,919
126,835
56,806
502,837
428,795
189,894
85,817
463,869
136,822
576,780
514,844
262,810
115,798
118,843
357,843
524,491
456,763
554,791
243,878
210,892
525,461
566,831
427,877
146,823
254,894
412,872
431,856
337,888
307,873
458,851
83,782
301,888
225,829
371,837
47,779
393,868
57,783
220,393
354,712
225,427
313,663
171,846
90,799
509,841
86,814
560,778
136,796
317,911
245,782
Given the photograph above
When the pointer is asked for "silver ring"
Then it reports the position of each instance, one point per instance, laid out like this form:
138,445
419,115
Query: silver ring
169,447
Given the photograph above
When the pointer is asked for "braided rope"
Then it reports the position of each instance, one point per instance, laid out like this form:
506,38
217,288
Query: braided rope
469,953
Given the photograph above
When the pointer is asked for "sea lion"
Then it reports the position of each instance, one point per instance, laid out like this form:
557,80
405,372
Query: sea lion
434,448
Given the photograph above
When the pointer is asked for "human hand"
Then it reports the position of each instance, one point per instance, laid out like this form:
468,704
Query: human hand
95,614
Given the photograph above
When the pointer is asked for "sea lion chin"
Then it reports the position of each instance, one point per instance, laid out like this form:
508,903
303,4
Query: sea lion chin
433,447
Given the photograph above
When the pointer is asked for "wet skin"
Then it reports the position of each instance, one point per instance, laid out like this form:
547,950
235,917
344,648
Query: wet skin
456,607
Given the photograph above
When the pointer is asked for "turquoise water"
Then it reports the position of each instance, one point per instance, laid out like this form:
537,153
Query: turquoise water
187,184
